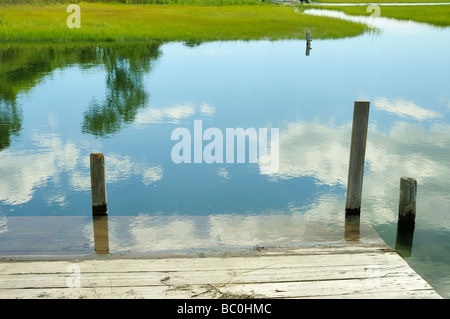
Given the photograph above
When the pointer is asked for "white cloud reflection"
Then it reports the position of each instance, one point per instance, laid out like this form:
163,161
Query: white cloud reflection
321,151
25,171
222,172
315,150
117,168
207,109
22,172
172,114
404,108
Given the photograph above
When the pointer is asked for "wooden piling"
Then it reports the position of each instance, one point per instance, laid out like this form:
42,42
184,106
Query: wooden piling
98,184
404,238
357,157
406,216
308,43
407,202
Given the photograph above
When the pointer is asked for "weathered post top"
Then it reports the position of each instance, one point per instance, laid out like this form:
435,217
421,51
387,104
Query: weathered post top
407,201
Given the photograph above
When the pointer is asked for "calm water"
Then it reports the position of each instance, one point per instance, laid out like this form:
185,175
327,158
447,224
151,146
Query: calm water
60,103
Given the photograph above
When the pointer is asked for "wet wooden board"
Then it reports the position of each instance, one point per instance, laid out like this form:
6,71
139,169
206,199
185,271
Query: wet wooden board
345,270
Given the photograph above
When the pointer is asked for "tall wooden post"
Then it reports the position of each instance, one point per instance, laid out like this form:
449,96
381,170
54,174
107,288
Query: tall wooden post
357,157
98,184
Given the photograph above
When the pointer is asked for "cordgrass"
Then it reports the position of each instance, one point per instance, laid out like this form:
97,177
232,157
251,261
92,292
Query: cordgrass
123,22
437,15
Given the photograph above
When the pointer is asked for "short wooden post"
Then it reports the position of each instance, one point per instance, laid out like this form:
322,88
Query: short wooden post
407,202
98,184
406,216
357,157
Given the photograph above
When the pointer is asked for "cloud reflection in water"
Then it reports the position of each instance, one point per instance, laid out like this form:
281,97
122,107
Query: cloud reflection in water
321,151
25,172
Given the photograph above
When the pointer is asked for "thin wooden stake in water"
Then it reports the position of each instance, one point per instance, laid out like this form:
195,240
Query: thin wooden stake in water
308,43
98,184
357,157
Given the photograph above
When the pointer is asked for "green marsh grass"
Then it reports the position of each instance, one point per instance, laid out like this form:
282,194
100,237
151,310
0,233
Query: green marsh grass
120,22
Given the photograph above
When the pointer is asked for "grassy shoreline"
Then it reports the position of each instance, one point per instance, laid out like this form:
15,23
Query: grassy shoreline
191,20
123,22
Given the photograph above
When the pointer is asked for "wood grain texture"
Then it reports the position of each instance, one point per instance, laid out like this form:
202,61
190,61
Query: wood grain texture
346,270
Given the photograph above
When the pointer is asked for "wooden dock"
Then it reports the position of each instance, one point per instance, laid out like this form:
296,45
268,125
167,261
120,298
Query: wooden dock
344,269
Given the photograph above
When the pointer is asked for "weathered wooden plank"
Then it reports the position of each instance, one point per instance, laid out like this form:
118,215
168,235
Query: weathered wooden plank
335,287
203,264
415,294
176,278
310,289
399,287
157,292
185,293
